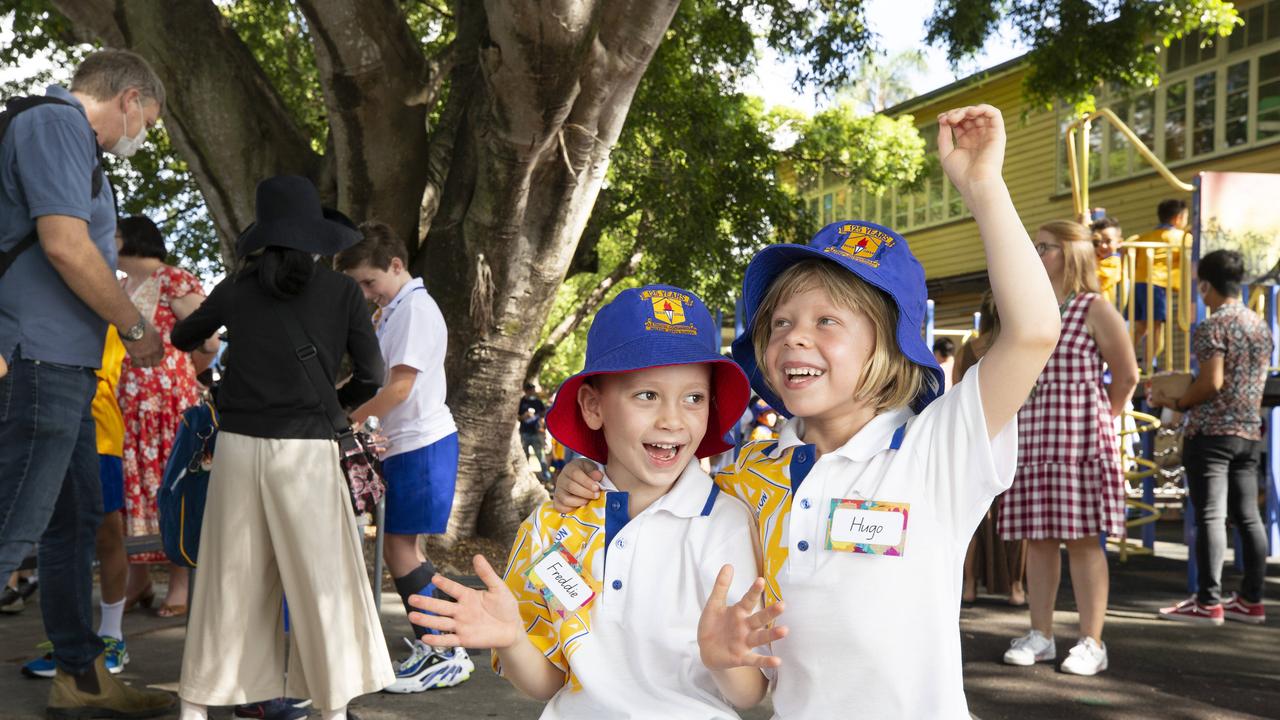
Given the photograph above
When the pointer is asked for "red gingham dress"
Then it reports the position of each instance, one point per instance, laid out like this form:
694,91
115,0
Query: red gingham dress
1069,482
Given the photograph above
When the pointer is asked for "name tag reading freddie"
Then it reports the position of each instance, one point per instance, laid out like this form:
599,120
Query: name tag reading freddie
558,575
869,527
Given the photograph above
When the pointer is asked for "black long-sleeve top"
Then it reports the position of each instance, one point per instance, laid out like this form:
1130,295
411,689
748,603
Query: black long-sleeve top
265,391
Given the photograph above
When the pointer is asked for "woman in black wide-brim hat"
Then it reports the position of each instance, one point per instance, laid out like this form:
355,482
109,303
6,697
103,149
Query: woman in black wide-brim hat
278,520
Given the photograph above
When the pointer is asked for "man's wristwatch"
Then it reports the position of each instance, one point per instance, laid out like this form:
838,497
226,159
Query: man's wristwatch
134,334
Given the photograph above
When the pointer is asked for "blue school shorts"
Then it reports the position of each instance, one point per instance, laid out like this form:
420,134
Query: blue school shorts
111,473
1140,302
420,488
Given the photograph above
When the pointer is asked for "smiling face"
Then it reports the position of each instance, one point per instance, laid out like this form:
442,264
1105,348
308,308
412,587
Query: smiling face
653,422
380,286
1105,242
817,352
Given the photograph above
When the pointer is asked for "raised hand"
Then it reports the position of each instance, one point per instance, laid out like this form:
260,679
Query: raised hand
971,143
729,634
576,485
488,618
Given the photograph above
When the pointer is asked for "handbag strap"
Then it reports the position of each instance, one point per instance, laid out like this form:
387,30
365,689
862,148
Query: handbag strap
305,350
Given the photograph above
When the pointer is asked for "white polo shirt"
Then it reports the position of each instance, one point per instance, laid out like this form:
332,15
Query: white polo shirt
874,628
411,331
633,651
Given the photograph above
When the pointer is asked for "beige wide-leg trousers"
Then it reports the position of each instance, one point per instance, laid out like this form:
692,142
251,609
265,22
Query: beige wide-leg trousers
278,523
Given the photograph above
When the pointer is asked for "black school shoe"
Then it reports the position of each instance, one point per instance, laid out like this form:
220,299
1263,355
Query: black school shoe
275,709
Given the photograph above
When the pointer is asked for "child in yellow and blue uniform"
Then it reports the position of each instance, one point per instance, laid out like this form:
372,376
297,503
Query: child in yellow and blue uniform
866,501
598,609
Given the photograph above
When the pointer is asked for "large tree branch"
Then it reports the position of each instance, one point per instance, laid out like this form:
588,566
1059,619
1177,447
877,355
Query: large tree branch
222,113
373,73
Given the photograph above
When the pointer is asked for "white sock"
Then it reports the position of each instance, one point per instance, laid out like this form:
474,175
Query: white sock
112,614
339,714
192,711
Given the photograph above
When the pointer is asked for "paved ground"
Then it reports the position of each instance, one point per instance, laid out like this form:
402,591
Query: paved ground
1158,669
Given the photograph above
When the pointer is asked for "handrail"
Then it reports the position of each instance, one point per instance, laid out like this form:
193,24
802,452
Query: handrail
1080,190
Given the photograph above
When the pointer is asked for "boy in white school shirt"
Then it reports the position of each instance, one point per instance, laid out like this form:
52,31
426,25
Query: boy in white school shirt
598,610
421,464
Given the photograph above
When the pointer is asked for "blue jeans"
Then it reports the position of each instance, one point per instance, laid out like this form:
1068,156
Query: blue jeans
49,491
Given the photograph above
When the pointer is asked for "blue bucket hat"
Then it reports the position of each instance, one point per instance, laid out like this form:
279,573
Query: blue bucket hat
648,327
876,255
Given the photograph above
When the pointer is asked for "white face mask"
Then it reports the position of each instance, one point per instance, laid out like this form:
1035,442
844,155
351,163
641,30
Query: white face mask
127,146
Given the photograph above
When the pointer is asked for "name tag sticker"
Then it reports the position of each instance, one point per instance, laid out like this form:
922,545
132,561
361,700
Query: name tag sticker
869,527
558,575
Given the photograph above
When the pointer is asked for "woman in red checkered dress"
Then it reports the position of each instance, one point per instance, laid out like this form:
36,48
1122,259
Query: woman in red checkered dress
1070,486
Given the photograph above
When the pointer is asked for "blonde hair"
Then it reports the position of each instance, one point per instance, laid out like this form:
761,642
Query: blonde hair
1080,264
889,379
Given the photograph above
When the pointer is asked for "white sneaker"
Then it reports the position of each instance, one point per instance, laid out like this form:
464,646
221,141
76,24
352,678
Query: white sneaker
431,667
1088,657
1030,649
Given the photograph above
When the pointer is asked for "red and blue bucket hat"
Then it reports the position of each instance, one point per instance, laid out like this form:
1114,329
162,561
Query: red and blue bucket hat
648,327
876,255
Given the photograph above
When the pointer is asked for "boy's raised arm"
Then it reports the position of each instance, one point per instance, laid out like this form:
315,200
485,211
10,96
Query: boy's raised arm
971,145
488,618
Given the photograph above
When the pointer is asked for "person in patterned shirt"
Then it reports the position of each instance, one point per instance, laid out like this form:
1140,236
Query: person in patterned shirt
1223,437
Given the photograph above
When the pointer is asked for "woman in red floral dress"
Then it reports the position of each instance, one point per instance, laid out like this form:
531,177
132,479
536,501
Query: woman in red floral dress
152,398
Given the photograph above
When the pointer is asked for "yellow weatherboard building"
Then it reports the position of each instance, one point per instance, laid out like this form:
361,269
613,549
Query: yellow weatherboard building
1216,108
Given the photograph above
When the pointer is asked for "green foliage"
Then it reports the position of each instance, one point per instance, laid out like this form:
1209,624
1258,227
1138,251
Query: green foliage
873,152
1080,44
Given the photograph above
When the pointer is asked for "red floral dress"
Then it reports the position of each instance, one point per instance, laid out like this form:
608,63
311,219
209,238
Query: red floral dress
152,400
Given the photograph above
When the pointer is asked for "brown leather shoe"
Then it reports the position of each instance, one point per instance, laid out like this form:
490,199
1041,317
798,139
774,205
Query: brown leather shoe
98,694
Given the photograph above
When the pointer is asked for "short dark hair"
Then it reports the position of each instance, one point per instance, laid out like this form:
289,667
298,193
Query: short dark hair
1168,210
1224,270
141,238
1104,223
378,248
944,346
529,387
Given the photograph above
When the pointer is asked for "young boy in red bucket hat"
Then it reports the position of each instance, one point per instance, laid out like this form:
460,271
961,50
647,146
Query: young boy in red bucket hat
598,610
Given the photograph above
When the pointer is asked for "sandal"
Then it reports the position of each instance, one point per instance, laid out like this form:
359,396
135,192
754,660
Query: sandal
145,599
171,611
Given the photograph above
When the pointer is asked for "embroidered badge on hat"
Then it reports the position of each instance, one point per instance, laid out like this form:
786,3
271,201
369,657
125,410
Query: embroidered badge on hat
861,243
668,312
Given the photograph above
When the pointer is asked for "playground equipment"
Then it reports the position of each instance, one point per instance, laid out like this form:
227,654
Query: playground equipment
1187,309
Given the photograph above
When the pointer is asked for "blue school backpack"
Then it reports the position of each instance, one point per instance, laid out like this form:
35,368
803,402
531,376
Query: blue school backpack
186,483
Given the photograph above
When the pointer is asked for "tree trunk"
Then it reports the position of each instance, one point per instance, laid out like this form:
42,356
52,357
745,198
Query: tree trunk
538,93
541,106
589,304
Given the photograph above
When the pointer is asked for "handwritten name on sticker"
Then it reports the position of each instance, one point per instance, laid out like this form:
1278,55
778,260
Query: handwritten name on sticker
870,527
557,574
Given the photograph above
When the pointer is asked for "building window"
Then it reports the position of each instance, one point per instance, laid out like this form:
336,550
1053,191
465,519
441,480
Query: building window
1175,121
1268,96
1203,109
1237,117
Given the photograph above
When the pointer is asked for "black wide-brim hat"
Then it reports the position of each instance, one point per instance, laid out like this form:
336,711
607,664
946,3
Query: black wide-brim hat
288,214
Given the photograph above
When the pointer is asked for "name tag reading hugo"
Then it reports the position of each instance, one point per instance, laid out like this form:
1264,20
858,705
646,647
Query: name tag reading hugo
870,527
558,576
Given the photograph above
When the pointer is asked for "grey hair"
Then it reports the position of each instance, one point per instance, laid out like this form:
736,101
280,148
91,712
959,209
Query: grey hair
107,73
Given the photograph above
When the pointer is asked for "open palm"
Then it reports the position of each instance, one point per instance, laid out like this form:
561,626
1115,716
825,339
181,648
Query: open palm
728,635
488,618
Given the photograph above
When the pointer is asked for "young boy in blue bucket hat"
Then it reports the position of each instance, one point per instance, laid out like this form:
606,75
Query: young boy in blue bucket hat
866,501
598,610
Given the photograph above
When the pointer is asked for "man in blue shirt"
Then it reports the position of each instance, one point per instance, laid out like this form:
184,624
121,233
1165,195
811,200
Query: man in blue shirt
56,300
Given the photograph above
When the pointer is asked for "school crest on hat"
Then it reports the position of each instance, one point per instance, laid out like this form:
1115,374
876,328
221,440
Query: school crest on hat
668,312
862,243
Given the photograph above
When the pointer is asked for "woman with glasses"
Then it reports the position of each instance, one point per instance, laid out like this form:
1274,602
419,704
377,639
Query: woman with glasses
1069,488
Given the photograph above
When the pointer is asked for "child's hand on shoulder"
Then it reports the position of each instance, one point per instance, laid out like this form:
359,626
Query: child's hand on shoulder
576,485
971,142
